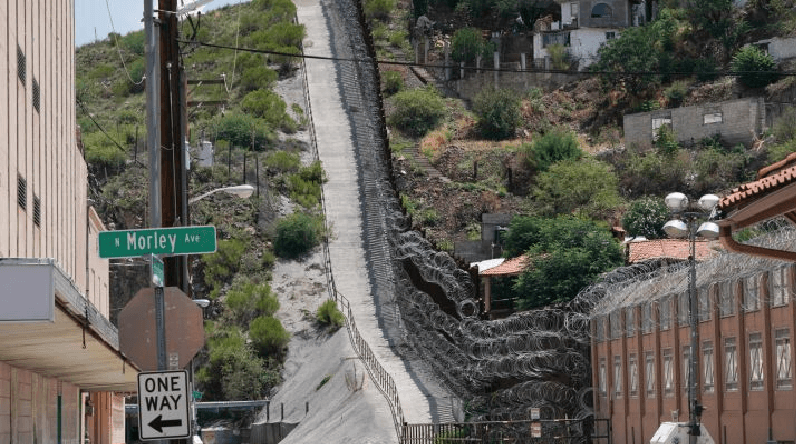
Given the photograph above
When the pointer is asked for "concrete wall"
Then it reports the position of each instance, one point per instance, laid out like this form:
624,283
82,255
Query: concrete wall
779,48
738,415
29,408
741,120
269,432
473,82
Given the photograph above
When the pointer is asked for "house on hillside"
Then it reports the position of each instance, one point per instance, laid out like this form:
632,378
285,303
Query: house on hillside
586,25
735,121
62,376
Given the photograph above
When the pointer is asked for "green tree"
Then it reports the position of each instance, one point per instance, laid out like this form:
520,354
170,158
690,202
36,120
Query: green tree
258,77
498,112
646,217
587,187
270,108
239,129
566,254
553,146
417,110
755,68
223,264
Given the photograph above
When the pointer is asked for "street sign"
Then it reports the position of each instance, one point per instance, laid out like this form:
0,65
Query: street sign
157,271
185,333
136,243
163,405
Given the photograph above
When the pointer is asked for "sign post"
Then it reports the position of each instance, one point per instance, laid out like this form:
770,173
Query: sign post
163,405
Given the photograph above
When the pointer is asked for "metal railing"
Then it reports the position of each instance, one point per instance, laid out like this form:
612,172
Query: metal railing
549,431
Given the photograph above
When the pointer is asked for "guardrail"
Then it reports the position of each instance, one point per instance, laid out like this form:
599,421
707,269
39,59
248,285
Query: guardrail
549,431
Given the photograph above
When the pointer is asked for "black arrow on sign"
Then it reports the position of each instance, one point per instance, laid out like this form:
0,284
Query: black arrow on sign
158,423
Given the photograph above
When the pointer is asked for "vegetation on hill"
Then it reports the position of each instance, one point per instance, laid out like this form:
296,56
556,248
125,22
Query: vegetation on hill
245,342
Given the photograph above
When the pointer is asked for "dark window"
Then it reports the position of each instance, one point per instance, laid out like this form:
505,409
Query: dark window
726,299
21,68
22,193
630,320
664,313
705,305
36,211
36,94
615,319
682,309
646,317
601,10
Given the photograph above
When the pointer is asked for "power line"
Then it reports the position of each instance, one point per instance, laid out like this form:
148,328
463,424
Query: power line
472,68
116,40
83,107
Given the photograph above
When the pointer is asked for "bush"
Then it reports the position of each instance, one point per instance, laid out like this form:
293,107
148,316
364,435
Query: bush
249,300
417,110
268,106
393,82
559,56
239,129
268,335
468,43
379,9
552,147
666,142
754,67
258,77
223,264
329,314
134,41
497,112
297,234
676,92
646,217
283,161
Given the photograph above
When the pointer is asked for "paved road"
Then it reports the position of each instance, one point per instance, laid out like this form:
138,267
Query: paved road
343,197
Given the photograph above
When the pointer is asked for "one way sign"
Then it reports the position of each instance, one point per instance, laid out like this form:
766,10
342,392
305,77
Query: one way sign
163,405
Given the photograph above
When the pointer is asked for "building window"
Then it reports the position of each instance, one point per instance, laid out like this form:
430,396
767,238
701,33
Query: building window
603,378
632,363
618,376
22,193
664,313
751,295
599,328
574,9
708,366
686,367
36,211
755,361
714,117
21,66
610,35
601,10
730,365
646,317
630,320
649,373
657,123
615,320
726,299
783,356
704,304
668,372
36,94
682,309
779,287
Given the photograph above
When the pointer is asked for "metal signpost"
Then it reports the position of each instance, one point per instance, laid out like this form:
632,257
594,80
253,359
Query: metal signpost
168,241
163,405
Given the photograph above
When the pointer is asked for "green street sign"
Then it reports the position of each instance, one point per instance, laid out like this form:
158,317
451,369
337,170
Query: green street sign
157,271
168,241
197,395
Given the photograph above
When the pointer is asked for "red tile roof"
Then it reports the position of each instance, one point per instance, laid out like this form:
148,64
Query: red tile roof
668,249
770,179
511,267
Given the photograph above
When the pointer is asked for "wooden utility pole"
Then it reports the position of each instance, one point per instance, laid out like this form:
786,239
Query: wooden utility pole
172,125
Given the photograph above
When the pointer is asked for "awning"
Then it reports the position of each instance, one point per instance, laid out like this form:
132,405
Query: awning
74,343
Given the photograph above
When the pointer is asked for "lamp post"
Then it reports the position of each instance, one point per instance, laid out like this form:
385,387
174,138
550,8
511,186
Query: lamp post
242,191
685,225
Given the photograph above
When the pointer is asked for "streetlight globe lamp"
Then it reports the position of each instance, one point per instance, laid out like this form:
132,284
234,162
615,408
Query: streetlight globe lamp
685,225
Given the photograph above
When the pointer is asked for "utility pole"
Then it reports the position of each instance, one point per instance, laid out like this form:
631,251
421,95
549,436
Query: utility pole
172,173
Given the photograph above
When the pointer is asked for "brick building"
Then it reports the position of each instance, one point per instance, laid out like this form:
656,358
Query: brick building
60,367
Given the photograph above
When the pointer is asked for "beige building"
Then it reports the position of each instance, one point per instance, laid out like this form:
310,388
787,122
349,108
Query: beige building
60,368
